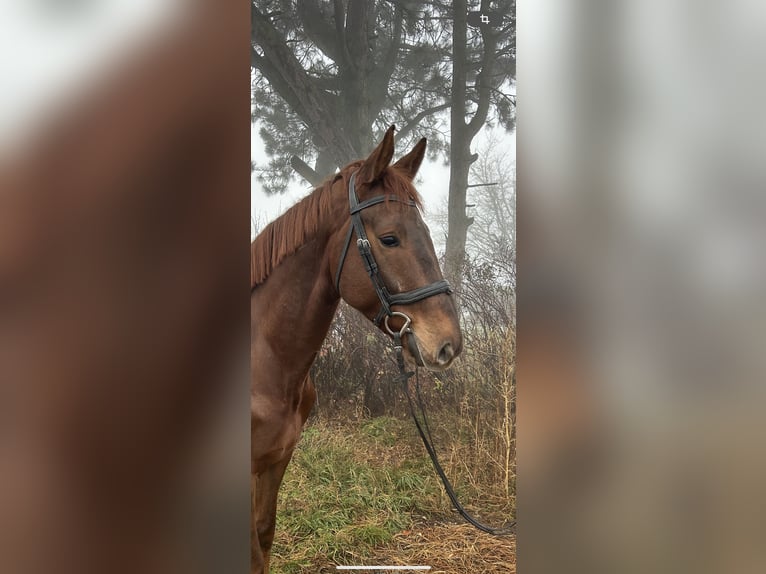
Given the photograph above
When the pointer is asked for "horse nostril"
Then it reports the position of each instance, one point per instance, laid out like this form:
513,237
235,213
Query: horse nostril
445,354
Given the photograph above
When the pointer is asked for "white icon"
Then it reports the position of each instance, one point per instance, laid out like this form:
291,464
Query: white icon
484,19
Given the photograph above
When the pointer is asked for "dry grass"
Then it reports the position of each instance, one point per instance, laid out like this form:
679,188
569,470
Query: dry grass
450,549
365,493
447,548
361,489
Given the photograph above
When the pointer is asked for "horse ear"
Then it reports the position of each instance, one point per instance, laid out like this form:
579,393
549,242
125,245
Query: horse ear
410,163
373,166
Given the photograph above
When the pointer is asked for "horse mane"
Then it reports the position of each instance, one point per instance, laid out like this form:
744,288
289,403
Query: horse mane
304,220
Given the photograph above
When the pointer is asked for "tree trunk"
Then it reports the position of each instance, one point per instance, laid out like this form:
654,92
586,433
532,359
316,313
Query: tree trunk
457,222
325,166
462,133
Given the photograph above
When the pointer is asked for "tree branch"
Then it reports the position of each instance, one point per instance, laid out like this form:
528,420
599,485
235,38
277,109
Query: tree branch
286,75
382,78
304,170
340,32
483,78
318,30
413,123
277,82
356,33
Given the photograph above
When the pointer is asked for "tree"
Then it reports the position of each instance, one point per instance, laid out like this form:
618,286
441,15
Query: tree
493,199
491,243
470,109
490,264
330,77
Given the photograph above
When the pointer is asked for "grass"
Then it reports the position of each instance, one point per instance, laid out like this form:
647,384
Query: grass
353,490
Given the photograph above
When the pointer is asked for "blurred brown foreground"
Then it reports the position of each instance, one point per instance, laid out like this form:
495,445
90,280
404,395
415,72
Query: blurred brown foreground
123,312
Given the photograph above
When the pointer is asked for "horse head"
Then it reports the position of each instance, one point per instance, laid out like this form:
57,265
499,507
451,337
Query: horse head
383,260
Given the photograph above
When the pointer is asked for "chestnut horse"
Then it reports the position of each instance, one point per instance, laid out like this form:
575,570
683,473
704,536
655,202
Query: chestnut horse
301,267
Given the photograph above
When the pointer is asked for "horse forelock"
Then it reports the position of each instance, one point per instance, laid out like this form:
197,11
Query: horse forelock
317,212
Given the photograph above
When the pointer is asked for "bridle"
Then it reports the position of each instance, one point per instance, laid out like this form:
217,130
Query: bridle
387,299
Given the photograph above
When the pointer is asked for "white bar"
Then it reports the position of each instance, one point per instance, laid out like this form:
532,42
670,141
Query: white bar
382,567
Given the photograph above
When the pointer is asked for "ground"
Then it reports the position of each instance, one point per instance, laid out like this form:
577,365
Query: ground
451,548
364,493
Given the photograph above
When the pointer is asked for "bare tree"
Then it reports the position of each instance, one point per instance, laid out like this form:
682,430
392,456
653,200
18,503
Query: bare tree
492,195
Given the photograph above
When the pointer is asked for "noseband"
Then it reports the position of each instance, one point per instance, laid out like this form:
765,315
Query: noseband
387,300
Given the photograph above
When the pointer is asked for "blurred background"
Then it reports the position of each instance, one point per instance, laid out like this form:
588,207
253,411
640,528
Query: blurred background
641,291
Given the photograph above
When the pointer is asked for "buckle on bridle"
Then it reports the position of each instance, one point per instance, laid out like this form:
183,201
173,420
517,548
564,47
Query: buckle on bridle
405,328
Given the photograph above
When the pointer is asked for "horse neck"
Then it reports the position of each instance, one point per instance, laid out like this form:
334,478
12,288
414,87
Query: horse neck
296,305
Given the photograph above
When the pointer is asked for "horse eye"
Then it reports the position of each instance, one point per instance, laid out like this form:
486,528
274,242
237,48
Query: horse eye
389,241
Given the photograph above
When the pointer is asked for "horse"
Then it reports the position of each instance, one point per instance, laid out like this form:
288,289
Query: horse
301,267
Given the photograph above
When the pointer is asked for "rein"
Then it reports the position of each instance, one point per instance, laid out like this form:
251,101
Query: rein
387,300
404,377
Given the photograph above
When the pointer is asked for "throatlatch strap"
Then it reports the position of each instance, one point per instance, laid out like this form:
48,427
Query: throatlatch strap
343,257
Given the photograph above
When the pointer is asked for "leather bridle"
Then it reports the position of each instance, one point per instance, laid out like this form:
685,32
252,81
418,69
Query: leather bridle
387,299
